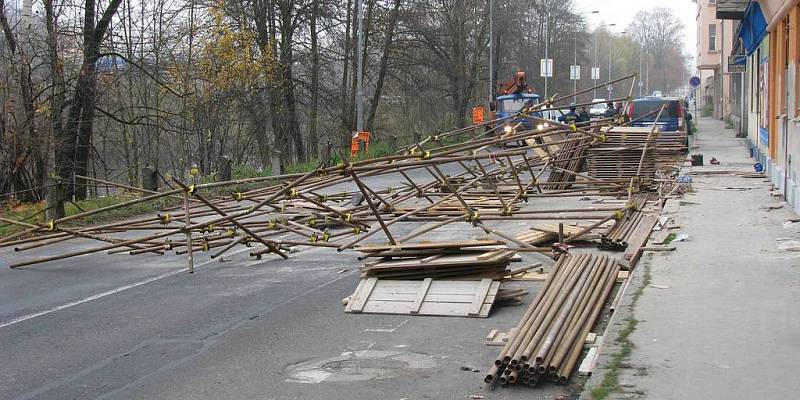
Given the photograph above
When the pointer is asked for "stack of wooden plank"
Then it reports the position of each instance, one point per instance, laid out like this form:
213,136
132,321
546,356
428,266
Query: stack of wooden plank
620,154
545,233
668,145
468,259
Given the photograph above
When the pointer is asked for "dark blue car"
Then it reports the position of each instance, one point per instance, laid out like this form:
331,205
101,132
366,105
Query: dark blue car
675,118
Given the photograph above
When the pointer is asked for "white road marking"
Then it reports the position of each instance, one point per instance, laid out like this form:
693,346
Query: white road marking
90,298
104,294
386,330
126,287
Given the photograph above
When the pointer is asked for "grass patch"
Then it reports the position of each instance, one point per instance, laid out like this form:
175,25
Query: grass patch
610,382
670,238
34,213
729,122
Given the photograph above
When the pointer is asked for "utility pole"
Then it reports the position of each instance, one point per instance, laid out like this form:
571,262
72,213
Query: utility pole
594,96
575,62
610,42
359,83
595,56
647,72
491,51
546,44
640,70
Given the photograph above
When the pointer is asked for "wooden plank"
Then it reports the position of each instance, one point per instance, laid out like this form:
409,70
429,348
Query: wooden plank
497,337
662,222
534,276
431,258
639,238
480,297
588,362
430,245
423,290
356,304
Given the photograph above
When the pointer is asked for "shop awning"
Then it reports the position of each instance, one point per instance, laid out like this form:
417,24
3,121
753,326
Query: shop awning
753,27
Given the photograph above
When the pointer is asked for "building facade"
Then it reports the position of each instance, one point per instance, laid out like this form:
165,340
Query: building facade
715,39
769,37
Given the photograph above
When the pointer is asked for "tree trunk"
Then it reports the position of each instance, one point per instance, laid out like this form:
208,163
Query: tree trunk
387,48
312,115
345,67
73,142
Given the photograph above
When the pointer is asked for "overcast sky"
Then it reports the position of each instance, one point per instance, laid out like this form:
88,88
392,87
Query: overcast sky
621,12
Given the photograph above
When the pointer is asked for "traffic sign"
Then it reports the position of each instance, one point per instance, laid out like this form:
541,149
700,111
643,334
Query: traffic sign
546,67
595,73
694,81
575,72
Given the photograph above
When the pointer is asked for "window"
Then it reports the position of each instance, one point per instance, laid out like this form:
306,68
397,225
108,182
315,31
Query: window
712,2
712,37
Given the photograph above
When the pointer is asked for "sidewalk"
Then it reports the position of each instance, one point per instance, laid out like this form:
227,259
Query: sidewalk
719,318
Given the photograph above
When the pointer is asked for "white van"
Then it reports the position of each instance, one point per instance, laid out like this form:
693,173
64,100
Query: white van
598,108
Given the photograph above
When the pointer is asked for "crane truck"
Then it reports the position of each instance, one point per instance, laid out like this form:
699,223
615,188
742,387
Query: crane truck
512,97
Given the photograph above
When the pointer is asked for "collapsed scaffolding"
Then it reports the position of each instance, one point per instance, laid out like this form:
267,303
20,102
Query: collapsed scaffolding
474,175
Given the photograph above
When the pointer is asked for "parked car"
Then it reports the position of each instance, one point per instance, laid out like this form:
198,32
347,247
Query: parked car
674,118
597,109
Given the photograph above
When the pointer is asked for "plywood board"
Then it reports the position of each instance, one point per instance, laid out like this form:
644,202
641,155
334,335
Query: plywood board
427,297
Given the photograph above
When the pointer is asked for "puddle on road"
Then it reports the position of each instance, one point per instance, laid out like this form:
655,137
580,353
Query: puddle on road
359,366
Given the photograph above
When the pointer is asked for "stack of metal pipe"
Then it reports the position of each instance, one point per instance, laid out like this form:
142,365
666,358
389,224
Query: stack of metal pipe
617,238
550,336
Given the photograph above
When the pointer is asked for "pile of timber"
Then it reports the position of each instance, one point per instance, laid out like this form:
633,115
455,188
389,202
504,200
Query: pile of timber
547,233
620,154
668,145
467,259
618,236
550,336
572,157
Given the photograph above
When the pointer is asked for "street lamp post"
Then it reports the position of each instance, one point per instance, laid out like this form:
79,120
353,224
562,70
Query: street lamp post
575,59
546,44
610,87
640,70
595,56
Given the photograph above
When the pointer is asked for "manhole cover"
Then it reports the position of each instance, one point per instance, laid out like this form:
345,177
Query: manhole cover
359,366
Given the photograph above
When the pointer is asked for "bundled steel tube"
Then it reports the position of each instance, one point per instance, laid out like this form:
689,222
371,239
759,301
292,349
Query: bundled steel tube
550,336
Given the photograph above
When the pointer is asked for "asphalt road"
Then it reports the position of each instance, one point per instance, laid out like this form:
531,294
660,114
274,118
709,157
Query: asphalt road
140,327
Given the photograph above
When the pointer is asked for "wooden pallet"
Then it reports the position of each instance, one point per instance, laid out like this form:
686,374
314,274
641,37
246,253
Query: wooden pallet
426,297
